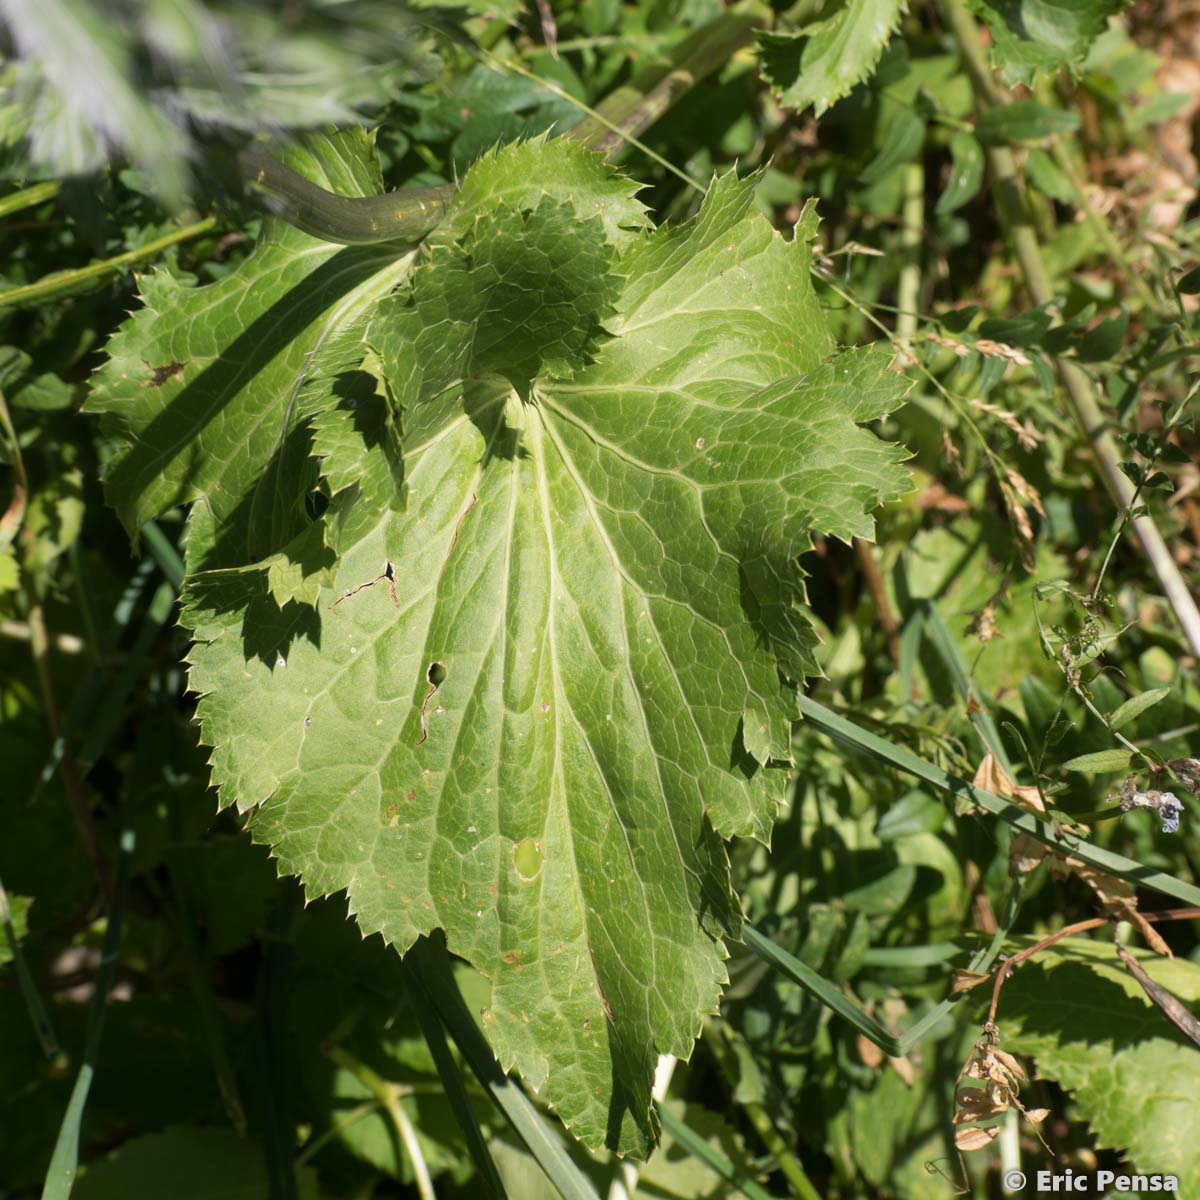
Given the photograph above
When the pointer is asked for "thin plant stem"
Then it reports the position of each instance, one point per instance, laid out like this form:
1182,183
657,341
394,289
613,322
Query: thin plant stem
1006,967
1100,227
34,1006
717,1038
64,1162
14,515
628,111
36,193
888,621
68,766
388,1095
63,283
1168,425
695,1145
359,1113
1079,387
908,288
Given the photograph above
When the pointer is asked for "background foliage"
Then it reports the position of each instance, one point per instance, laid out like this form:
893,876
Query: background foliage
1007,213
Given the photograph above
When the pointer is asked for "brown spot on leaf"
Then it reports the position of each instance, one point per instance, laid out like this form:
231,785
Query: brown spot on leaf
160,375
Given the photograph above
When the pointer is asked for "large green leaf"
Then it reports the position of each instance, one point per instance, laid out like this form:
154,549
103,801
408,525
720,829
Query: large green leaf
555,662
823,62
1130,1073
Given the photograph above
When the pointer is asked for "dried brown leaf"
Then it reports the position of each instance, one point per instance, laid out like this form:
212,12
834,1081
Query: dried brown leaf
975,1139
963,980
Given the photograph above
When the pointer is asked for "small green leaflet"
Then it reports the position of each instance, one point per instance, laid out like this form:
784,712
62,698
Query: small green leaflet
966,172
1043,35
546,653
829,58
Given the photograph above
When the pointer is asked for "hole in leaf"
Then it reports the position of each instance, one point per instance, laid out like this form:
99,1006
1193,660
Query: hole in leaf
436,673
527,859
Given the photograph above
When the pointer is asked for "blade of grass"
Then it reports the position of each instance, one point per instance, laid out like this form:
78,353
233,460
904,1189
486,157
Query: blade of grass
696,1146
719,1041
430,962
456,1092
97,688
947,649
163,551
817,985
910,956
849,734
211,1026
828,994
38,1015
64,1162
108,717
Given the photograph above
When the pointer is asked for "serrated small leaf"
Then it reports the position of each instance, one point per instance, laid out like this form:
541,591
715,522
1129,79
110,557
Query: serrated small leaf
1135,706
825,61
1099,762
966,172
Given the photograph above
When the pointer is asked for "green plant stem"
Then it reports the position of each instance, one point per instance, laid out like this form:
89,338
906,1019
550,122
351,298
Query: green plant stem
1079,387
818,717
36,193
63,283
64,1162
38,1015
488,1181
14,514
430,962
631,109
716,1037
908,288
359,1113
68,766
388,1096
695,1145
1100,227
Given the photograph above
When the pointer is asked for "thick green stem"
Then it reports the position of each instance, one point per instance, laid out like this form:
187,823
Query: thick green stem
1079,388
631,109
610,129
